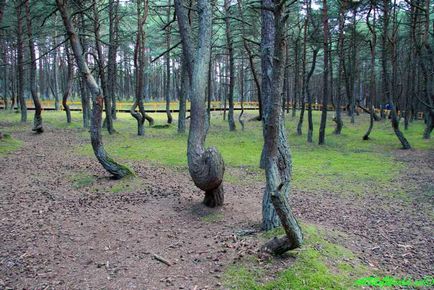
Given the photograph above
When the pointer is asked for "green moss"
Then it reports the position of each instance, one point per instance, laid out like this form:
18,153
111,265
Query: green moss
319,264
213,217
9,144
346,164
127,184
81,180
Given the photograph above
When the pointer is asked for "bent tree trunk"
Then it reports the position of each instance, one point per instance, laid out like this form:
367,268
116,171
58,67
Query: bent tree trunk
277,163
37,121
68,87
117,170
206,166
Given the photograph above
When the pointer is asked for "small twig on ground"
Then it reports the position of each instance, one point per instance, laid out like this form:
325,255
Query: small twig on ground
162,260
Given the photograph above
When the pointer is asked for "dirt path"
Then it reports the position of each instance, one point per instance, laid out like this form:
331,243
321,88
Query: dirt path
59,235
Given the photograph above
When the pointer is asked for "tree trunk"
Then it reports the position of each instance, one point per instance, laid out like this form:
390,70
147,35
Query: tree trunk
372,83
229,42
391,94
20,60
276,151
101,69
167,86
303,97
69,81
112,53
309,96
183,96
117,170
322,126
37,121
206,166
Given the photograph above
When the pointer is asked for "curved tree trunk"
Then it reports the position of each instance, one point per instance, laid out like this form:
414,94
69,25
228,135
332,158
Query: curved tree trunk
372,83
276,151
68,88
206,166
117,170
139,64
37,121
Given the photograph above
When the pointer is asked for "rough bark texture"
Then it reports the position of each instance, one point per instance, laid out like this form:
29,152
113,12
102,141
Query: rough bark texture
139,64
37,120
108,121
309,96
206,166
112,53
183,95
117,170
386,86
20,63
68,88
167,56
322,126
372,83
229,42
276,151
303,97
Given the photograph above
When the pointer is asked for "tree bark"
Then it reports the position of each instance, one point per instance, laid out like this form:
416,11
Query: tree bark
183,96
101,69
112,53
117,170
69,82
37,121
372,83
322,126
276,151
167,86
229,43
20,61
206,166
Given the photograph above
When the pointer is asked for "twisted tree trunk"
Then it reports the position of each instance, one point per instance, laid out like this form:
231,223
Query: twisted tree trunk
37,121
277,157
116,169
206,166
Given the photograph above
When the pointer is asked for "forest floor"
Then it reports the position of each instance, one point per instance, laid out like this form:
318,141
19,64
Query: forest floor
65,224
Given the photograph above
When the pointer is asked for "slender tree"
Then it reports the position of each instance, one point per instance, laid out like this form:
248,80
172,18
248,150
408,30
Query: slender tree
37,120
206,166
277,158
116,169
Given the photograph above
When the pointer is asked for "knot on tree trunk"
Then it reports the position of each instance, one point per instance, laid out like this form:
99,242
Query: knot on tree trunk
207,174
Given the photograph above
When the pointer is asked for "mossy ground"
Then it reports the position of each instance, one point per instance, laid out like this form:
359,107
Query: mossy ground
8,144
319,264
346,164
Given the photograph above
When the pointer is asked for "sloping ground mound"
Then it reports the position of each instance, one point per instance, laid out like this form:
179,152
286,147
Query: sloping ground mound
65,224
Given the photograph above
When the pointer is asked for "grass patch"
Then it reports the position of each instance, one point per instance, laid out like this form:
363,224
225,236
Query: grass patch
81,180
345,164
126,184
213,217
319,264
8,145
